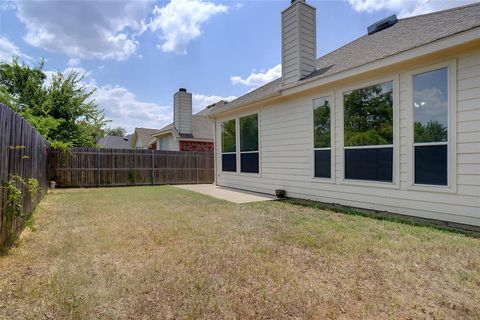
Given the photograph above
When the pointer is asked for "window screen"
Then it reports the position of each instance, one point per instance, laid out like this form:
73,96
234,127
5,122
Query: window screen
368,133
322,136
430,109
229,155
249,156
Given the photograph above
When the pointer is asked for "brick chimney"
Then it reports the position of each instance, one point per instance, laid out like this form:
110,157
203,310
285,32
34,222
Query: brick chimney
182,111
299,43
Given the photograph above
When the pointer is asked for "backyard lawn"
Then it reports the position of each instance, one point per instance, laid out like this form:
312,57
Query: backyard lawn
166,253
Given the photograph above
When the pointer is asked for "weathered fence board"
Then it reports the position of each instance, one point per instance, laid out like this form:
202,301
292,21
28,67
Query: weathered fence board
89,167
23,152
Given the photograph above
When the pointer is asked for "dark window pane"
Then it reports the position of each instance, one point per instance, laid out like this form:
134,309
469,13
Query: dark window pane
229,162
321,122
369,115
431,165
430,106
228,136
322,164
374,164
249,133
249,162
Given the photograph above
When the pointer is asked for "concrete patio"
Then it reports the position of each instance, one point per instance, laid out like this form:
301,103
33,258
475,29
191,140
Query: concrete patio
228,194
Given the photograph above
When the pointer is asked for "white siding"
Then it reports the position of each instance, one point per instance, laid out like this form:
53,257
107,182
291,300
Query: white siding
299,49
167,143
182,113
286,155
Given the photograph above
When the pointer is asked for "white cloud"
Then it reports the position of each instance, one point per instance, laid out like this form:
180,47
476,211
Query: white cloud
180,21
257,79
84,29
406,8
125,110
73,62
8,49
200,101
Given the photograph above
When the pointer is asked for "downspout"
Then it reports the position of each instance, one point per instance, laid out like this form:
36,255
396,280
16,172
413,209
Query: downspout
215,152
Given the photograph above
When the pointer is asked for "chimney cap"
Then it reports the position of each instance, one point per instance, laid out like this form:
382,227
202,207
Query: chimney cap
182,90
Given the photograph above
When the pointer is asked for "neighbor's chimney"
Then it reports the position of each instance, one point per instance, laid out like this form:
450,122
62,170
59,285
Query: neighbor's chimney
182,111
299,43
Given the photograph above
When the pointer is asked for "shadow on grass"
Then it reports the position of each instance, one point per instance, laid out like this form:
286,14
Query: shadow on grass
467,230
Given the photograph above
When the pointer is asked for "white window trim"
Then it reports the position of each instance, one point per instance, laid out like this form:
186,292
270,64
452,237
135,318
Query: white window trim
239,153
451,187
230,152
332,149
395,184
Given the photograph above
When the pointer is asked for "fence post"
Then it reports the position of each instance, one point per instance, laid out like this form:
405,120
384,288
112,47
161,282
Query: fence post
98,167
153,167
196,164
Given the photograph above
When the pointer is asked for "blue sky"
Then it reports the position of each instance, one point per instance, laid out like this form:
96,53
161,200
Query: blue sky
136,54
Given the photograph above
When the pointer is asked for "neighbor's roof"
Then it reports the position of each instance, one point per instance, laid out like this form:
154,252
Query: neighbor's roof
407,34
116,142
145,135
202,129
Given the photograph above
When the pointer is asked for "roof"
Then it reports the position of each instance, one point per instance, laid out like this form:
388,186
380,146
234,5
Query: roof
145,135
407,34
116,142
202,129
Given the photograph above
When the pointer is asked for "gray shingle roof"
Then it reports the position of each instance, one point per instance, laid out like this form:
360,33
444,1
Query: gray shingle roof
145,135
202,128
407,34
115,142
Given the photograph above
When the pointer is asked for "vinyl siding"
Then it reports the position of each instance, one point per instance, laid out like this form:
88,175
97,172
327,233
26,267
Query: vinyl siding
298,42
286,153
183,112
169,142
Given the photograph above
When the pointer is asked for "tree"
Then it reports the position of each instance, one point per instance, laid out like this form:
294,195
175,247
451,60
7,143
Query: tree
61,110
432,131
228,136
321,121
118,132
369,116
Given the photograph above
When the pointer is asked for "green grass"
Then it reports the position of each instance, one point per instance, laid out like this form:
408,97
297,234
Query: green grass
166,253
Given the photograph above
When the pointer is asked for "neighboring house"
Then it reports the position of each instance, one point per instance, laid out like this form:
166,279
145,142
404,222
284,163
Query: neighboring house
390,121
143,138
116,142
187,132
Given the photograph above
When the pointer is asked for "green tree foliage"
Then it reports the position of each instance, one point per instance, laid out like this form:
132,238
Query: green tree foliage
321,115
369,116
62,110
228,136
433,131
118,132
249,133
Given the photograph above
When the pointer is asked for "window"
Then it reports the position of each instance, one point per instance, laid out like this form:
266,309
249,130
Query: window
322,137
229,146
369,133
249,144
430,110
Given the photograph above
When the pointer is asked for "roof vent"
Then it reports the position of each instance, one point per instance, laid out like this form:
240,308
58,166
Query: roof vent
382,24
182,90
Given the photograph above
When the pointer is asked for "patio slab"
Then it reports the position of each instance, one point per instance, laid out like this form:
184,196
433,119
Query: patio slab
228,194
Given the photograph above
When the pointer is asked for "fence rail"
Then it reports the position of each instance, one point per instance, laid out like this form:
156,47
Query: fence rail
89,167
23,152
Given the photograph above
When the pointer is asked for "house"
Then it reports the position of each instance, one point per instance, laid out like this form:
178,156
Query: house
390,121
143,138
187,132
116,142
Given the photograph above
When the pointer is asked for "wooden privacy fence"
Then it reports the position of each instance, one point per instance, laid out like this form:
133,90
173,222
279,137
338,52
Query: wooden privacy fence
23,152
90,167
